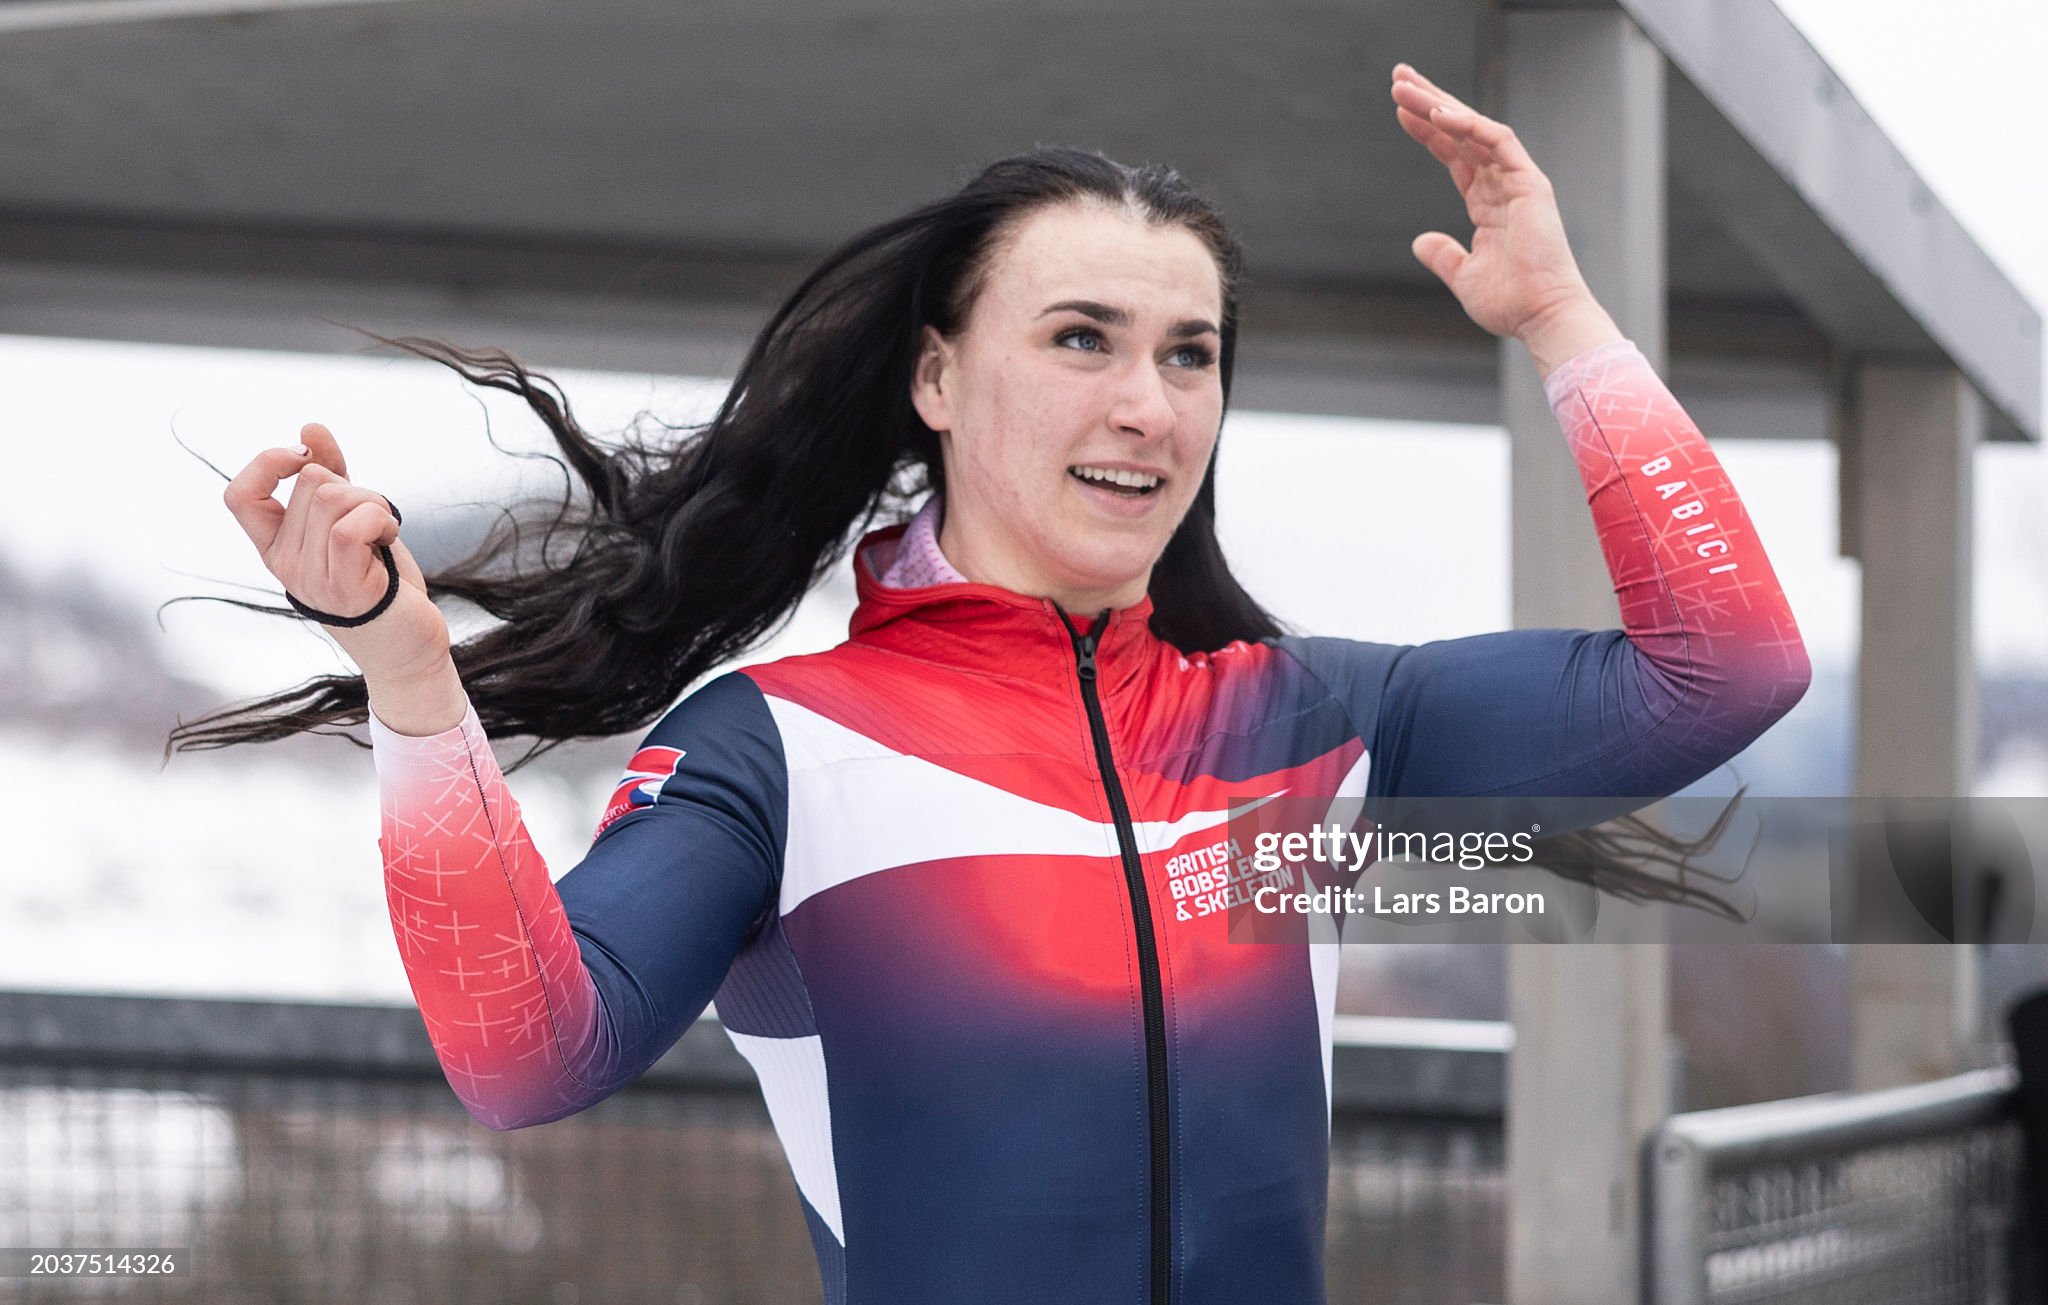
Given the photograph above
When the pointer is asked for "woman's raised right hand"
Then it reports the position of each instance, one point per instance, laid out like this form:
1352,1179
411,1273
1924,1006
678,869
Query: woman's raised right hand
322,547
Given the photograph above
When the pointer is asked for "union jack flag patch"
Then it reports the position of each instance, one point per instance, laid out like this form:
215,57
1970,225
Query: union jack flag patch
649,769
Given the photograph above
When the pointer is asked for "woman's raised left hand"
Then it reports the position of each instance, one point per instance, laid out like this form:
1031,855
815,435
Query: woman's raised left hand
1518,278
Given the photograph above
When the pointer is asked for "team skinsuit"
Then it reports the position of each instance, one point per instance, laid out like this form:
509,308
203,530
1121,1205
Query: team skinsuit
926,876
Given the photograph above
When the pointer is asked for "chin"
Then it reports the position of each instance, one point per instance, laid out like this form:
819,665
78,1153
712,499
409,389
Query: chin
1112,568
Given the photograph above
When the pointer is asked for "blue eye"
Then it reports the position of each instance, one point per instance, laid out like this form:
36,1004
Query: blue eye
1196,357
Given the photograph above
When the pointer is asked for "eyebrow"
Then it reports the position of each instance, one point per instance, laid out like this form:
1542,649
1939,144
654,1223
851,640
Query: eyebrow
1109,315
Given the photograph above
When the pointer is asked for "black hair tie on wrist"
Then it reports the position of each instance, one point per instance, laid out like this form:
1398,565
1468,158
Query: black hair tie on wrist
390,590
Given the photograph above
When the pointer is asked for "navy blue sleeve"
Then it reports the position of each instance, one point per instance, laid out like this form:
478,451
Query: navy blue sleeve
1554,714
686,865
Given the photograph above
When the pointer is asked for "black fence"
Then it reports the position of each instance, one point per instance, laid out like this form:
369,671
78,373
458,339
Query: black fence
305,1155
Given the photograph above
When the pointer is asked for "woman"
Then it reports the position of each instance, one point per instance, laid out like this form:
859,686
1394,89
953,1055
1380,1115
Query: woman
929,874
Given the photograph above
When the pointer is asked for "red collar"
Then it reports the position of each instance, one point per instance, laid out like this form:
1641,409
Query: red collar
991,630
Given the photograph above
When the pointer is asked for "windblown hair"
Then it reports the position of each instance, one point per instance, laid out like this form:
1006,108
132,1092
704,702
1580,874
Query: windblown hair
681,557
667,559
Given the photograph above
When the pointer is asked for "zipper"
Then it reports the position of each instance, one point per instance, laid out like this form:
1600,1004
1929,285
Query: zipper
1148,957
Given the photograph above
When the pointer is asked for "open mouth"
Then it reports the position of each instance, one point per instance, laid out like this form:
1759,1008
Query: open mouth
1127,484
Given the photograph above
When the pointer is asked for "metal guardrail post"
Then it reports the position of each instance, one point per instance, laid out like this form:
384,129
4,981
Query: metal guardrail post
1677,1244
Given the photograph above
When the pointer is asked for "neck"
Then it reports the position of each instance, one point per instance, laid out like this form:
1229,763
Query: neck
1004,572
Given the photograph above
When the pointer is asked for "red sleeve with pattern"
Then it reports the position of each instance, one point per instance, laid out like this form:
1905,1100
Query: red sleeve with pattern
1698,596
508,1002
1708,656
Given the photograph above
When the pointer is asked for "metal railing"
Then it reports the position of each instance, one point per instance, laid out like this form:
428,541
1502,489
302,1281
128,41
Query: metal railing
1907,1196
313,1153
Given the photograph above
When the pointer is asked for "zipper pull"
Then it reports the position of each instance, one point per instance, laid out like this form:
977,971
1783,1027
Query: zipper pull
1084,644
1093,637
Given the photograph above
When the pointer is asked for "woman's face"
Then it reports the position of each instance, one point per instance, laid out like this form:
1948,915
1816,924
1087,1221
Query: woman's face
1090,355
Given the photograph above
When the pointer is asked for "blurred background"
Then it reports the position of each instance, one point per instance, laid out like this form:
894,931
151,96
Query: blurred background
155,287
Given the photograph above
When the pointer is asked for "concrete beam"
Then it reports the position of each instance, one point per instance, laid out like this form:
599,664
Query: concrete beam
1744,371
1817,193
59,15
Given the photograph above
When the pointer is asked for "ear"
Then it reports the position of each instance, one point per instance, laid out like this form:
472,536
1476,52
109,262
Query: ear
929,378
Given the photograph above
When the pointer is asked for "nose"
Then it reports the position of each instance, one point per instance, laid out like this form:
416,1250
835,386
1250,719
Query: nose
1142,406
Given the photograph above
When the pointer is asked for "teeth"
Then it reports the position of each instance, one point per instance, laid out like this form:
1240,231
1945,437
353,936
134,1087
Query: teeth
1128,479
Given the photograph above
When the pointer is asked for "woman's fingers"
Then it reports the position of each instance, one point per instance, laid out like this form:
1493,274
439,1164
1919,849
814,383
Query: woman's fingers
1404,71
248,495
1444,129
408,569
1416,96
326,450
352,561
1422,99
1440,254
321,543
1476,138
333,564
1440,146
1498,140
291,532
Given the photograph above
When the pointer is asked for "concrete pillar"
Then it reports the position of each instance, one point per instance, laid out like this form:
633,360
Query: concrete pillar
1585,92
1589,1075
1588,1079
1908,449
1912,1013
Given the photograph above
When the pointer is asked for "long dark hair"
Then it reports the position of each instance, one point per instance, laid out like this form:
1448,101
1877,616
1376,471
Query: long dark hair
675,558
667,559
